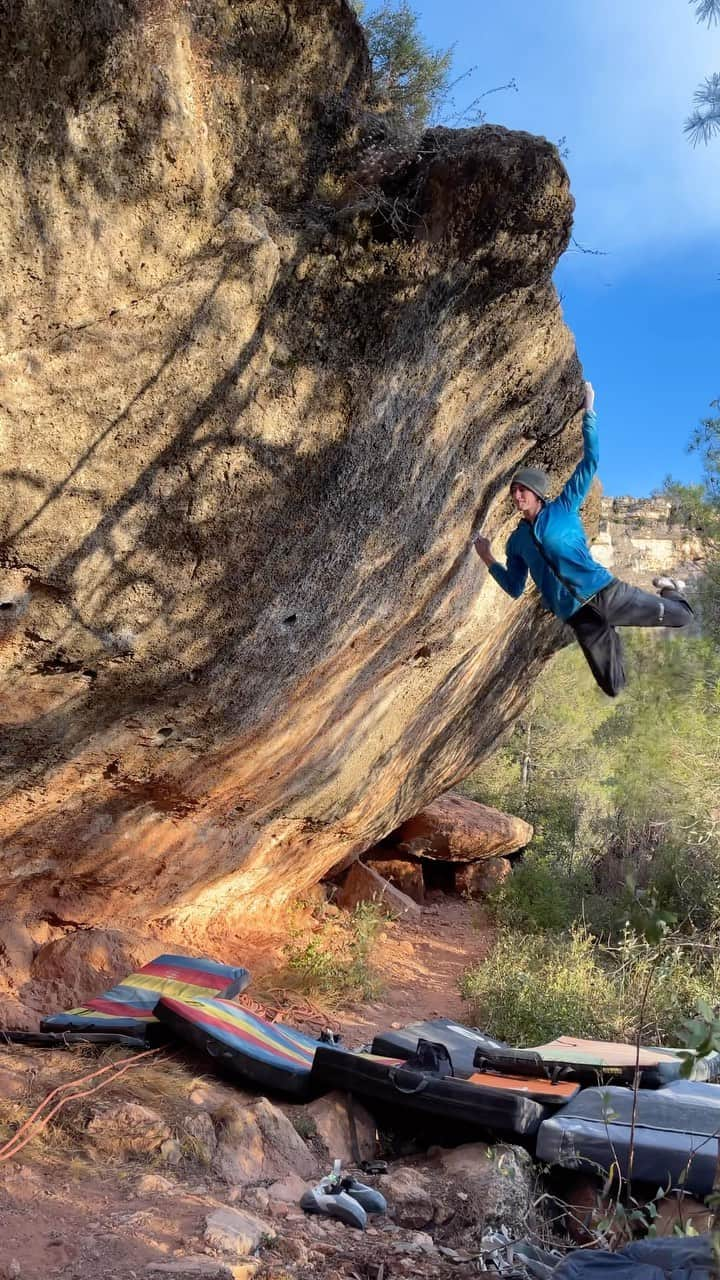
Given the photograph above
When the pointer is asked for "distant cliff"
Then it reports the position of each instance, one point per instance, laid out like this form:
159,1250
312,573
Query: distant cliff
638,539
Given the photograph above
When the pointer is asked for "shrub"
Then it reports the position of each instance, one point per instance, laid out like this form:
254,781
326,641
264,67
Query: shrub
337,961
533,988
540,895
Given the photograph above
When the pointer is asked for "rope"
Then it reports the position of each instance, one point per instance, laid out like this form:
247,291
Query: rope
31,1130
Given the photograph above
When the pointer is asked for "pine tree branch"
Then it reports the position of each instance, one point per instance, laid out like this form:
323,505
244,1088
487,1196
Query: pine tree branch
704,123
707,11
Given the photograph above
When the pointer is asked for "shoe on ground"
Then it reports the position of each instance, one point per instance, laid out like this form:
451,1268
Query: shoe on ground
334,1203
669,584
370,1199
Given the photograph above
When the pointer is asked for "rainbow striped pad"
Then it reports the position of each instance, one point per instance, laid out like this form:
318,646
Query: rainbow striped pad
270,1054
129,1007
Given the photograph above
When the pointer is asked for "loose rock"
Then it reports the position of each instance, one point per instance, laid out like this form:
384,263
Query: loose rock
408,1197
128,1128
331,1117
363,884
455,829
235,1232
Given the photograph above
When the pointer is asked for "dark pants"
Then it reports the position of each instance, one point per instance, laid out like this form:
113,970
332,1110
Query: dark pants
620,605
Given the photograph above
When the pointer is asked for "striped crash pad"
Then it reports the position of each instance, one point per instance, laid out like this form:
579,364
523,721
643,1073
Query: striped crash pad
128,1009
269,1054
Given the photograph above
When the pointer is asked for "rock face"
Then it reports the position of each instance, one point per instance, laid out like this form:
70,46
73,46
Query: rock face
403,873
455,829
248,423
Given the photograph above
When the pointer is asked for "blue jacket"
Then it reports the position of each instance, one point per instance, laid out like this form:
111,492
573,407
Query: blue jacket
566,575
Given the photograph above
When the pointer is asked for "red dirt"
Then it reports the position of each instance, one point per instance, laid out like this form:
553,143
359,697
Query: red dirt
63,1214
420,965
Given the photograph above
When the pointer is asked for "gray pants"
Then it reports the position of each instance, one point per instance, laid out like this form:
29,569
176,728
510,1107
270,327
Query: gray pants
620,605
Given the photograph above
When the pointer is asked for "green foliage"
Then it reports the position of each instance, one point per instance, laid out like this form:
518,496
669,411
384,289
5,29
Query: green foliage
700,1035
533,988
704,123
624,795
336,963
408,74
539,895
698,506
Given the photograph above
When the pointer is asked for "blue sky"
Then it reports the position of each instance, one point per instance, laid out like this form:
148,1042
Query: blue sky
615,79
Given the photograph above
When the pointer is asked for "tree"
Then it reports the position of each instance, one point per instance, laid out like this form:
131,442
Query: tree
408,74
704,123
698,506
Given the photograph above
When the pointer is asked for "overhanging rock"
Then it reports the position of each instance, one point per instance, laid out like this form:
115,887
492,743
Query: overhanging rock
249,424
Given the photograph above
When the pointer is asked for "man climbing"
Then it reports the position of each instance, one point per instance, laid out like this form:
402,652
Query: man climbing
551,545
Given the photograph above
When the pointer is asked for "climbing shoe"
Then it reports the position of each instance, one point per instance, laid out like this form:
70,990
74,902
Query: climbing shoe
370,1199
329,1199
669,584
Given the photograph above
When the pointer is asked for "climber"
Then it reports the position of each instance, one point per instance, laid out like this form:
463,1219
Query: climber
551,545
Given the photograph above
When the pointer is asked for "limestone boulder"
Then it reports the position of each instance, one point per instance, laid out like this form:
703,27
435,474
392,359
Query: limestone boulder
408,1192
127,1128
347,1135
259,1144
478,879
405,875
363,884
455,829
235,1231
238,321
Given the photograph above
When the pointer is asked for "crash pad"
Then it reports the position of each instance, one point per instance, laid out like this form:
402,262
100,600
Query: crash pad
674,1258
534,1087
587,1061
128,1009
495,1110
461,1042
675,1139
272,1055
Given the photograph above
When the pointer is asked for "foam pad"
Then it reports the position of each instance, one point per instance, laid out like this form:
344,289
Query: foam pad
495,1110
461,1042
675,1135
540,1088
269,1054
587,1061
128,1009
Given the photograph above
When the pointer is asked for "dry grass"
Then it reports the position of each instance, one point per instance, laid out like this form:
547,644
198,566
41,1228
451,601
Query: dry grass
162,1084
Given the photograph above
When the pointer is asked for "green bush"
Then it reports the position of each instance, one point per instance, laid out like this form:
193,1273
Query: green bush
540,895
336,962
535,987
676,977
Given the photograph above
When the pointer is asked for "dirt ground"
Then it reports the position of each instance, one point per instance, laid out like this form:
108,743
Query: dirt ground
67,1211
420,965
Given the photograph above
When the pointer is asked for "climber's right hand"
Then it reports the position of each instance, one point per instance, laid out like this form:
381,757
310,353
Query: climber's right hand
482,546
589,397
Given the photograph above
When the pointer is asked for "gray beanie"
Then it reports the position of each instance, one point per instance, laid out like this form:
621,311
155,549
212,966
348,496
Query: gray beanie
534,479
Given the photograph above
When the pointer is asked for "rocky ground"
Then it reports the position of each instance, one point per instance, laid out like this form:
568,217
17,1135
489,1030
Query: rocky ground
163,1173
153,1168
